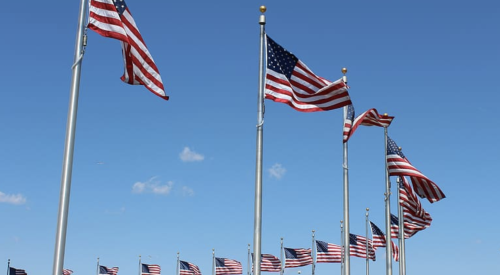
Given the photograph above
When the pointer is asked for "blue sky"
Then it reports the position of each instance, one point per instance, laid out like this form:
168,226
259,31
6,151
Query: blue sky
154,177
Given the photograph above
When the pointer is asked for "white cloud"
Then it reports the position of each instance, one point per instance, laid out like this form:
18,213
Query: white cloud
189,156
277,171
187,191
152,186
17,199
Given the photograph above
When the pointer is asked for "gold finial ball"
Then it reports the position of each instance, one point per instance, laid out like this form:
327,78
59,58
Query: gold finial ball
344,70
399,148
385,114
367,209
263,9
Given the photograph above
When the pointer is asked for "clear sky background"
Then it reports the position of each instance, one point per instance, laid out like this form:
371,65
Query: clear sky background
154,177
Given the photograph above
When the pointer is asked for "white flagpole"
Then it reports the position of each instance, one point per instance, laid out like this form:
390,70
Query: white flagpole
257,239
283,260
8,267
388,250
140,267
313,246
178,271
64,195
367,251
213,261
98,266
342,246
248,261
402,254
347,261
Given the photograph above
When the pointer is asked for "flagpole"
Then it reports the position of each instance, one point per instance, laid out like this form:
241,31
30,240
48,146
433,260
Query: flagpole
258,170
347,264
367,252
402,253
314,258
64,195
98,266
342,245
282,258
177,271
213,261
8,267
140,267
248,260
388,250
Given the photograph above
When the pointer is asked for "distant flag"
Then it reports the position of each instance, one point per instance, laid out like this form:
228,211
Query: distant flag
269,263
103,270
399,165
395,227
67,271
150,269
17,271
358,247
227,266
328,253
112,19
295,257
290,81
379,240
415,217
186,268
368,118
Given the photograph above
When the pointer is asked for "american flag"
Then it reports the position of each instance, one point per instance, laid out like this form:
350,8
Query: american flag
379,240
150,269
358,247
103,270
269,263
227,266
186,268
67,271
290,81
328,253
399,165
415,217
16,271
368,118
395,227
112,18
297,257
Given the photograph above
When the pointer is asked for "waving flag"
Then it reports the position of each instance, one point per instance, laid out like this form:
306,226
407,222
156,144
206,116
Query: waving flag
415,217
112,18
227,266
150,269
103,270
368,118
379,240
67,271
17,271
358,247
328,253
290,81
297,257
269,263
186,268
399,165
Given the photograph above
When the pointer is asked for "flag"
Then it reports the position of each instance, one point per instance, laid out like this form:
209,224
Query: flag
290,81
328,253
103,270
358,247
186,268
113,20
269,263
150,269
67,271
297,257
415,217
395,227
227,266
399,165
379,240
368,118
17,271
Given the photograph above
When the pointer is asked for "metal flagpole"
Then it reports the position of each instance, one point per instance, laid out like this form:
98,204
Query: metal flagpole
140,267
367,251
314,258
347,264
177,271
402,254
342,245
64,195
282,259
98,266
213,261
8,267
248,260
388,250
258,169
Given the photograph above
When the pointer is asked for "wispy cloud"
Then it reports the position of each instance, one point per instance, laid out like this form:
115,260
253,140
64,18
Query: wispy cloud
187,191
16,199
277,171
190,156
152,186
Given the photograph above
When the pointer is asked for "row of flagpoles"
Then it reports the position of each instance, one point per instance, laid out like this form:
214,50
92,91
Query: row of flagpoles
282,78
